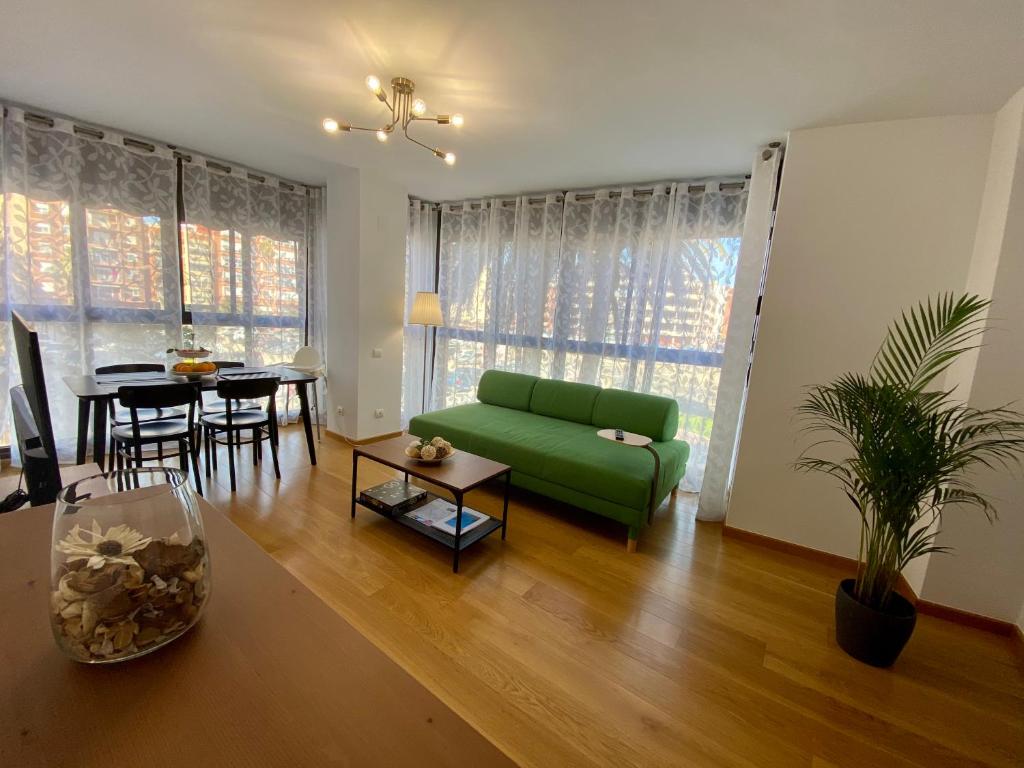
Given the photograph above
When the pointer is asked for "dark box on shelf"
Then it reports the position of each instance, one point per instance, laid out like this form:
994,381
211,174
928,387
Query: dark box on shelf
393,497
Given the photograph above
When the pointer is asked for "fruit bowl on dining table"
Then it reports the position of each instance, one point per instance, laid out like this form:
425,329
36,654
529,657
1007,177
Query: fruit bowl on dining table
192,371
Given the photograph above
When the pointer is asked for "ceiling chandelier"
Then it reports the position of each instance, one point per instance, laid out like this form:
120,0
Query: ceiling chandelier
404,110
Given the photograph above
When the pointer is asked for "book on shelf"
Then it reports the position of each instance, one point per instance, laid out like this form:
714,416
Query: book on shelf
392,497
441,514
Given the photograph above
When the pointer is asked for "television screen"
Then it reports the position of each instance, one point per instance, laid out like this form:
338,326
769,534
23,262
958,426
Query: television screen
33,426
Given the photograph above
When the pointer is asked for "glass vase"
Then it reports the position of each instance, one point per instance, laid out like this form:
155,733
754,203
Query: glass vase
130,567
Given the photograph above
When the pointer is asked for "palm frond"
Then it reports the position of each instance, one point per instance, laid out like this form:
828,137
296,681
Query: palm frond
921,346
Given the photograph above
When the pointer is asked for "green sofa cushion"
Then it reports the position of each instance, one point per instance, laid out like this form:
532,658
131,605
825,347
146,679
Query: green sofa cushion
510,390
564,400
619,473
651,415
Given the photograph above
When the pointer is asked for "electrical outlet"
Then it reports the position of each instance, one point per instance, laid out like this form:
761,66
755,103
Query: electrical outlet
340,410
378,413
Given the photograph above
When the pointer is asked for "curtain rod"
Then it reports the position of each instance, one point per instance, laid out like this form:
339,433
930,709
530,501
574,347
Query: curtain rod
586,196
145,146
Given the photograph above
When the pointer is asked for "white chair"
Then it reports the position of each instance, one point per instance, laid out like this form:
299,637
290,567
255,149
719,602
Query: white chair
308,360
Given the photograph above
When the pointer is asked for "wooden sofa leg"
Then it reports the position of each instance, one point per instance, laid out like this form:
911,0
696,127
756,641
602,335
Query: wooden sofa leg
631,545
633,535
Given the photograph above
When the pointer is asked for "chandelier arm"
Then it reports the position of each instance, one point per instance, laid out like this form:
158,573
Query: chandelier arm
432,150
359,128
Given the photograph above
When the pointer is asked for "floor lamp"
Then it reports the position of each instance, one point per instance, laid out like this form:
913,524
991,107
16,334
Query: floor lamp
426,311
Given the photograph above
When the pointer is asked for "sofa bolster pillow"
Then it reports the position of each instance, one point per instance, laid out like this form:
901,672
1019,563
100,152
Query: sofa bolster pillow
651,415
509,390
564,400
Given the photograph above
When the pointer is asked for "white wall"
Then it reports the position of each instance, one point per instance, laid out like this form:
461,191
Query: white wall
986,573
366,221
872,218
383,217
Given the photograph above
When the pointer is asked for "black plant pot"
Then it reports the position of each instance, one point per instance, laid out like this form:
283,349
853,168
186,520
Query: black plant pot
872,636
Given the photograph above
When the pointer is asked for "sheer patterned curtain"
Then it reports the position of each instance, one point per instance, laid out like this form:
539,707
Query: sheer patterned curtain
420,247
316,282
618,287
88,254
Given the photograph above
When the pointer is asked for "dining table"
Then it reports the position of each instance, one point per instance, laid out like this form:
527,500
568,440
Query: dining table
95,392
270,676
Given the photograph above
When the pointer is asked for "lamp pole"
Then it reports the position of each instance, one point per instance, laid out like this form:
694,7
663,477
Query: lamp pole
426,311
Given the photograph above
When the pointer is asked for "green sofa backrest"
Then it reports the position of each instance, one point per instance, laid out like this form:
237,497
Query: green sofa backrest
509,390
651,415
564,400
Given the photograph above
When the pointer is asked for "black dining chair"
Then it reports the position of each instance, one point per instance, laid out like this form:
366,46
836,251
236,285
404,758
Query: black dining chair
120,417
131,439
217,405
232,423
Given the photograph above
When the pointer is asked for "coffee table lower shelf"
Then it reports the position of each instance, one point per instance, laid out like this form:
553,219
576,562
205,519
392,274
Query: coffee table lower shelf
489,526
463,473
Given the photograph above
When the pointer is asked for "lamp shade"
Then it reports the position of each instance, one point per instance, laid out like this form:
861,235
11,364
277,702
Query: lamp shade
426,309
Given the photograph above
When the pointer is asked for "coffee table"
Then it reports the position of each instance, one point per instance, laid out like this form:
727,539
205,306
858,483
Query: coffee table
458,474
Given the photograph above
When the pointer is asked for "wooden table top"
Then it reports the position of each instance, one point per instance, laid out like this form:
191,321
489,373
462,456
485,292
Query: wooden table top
270,676
105,386
460,472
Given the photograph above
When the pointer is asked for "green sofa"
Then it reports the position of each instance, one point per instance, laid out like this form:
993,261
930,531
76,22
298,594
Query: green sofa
546,431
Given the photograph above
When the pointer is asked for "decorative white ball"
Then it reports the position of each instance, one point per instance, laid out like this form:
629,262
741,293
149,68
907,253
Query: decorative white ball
413,451
437,441
428,453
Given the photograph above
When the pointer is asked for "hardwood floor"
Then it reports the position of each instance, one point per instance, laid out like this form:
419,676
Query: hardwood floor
564,650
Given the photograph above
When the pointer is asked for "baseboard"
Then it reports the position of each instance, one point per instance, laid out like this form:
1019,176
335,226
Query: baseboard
925,607
349,441
976,620
780,545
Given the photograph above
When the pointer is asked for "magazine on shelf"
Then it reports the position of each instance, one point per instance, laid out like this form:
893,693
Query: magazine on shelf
431,513
441,514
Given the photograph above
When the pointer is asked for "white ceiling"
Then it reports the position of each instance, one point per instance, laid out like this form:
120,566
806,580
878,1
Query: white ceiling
556,93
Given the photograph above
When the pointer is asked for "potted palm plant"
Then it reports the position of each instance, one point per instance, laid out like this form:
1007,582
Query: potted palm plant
902,449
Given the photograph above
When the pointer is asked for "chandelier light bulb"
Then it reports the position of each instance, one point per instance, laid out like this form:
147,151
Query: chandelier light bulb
458,120
373,83
382,136
449,158
419,107
330,125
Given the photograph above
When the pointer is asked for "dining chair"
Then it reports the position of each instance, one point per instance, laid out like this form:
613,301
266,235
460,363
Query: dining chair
119,416
308,360
232,423
131,439
217,405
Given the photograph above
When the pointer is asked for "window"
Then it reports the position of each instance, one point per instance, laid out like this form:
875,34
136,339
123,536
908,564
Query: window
617,288
90,255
